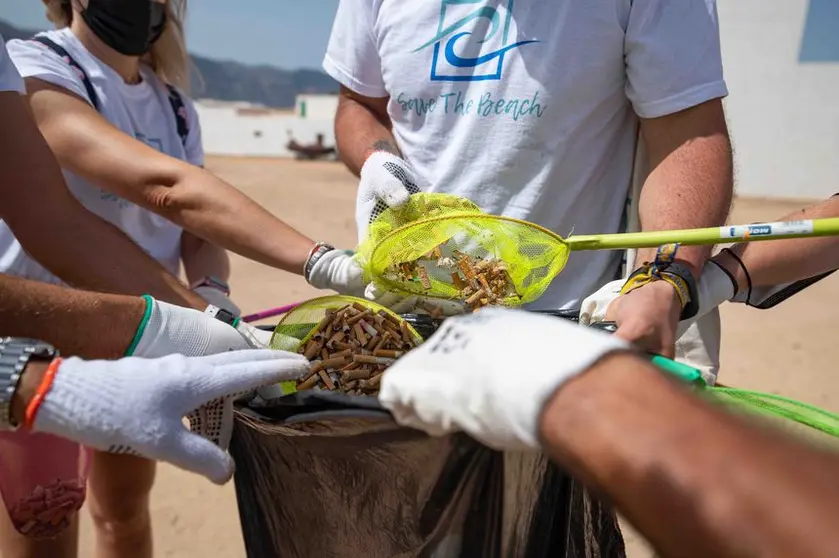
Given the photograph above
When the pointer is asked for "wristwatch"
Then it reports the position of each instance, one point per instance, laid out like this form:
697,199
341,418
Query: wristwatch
316,253
15,354
212,282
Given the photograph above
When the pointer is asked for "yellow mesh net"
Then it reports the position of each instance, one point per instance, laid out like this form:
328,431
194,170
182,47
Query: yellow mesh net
444,246
299,325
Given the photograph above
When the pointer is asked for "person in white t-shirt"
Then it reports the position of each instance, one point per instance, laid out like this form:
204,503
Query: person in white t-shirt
549,113
102,90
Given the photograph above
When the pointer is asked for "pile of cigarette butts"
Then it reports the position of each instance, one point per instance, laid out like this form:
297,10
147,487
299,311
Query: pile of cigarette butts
351,348
48,510
481,282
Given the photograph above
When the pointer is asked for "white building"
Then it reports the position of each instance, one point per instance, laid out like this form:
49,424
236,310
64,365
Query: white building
781,61
246,130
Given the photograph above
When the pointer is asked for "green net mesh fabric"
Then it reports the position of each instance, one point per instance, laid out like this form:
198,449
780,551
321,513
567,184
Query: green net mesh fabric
532,256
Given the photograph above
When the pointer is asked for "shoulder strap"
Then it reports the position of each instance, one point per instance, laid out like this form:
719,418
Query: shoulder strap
179,109
60,51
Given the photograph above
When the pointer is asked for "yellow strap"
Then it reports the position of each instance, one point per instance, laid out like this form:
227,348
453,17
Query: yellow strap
647,276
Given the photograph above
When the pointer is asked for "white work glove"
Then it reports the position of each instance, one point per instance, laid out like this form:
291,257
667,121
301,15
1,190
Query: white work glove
136,405
412,304
713,288
490,374
172,329
217,298
386,181
338,271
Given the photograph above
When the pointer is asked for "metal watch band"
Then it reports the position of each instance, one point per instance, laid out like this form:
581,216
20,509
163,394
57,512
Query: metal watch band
317,253
15,354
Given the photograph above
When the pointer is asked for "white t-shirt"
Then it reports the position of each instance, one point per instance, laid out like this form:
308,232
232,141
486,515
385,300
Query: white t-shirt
10,79
538,120
142,111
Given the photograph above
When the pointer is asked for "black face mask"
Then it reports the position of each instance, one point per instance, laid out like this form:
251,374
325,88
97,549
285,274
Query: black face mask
130,27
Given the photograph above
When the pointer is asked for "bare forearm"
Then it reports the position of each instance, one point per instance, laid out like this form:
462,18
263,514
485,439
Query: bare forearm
78,323
687,475
691,182
359,128
202,259
217,212
785,261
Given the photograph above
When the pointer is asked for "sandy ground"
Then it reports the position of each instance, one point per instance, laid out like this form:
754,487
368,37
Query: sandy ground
786,350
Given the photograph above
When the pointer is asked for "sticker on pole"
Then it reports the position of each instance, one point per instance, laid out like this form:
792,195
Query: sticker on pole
786,228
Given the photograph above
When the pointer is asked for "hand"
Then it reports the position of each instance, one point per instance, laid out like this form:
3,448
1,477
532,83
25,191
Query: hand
338,271
140,403
490,374
714,287
172,329
648,317
217,298
386,181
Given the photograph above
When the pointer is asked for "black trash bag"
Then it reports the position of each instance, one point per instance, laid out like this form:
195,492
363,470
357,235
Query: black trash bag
321,474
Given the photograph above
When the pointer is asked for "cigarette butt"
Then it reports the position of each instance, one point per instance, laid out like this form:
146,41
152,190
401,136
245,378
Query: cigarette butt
326,380
371,331
406,333
349,386
366,359
372,343
382,340
340,345
338,336
484,283
458,282
351,366
378,319
374,381
387,353
357,374
340,354
324,322
389,317
359,334
358,317
309,382
324,354
333,363
312,349
423,276
475,297
358,306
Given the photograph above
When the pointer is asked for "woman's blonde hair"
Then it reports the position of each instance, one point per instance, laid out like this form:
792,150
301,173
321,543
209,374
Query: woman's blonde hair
168,55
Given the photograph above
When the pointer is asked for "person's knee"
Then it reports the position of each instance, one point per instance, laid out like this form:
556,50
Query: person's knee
120,488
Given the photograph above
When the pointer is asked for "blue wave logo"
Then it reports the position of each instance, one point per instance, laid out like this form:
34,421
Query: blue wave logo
488,32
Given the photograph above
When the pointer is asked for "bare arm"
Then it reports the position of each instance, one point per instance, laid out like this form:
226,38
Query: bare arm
202,259
786,261
691,180
57,231
53,314
695,481
194,198
362,124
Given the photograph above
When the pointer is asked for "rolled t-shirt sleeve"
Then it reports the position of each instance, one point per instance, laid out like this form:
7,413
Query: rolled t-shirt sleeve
673,59
34,60
10,79
352,57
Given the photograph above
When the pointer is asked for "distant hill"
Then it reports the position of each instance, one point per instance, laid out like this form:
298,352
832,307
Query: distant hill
232,81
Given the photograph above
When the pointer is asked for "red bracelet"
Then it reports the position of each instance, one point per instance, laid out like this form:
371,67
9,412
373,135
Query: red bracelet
40,394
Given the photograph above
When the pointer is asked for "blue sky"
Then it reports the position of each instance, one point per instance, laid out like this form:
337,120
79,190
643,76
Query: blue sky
284,33
293,34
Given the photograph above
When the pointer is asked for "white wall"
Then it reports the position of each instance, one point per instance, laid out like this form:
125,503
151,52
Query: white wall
225,132
318,106
783,114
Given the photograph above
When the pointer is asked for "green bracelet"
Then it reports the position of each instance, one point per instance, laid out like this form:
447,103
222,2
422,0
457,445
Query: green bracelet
141,329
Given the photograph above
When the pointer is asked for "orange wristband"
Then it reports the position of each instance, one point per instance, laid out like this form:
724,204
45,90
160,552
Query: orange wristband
40,394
